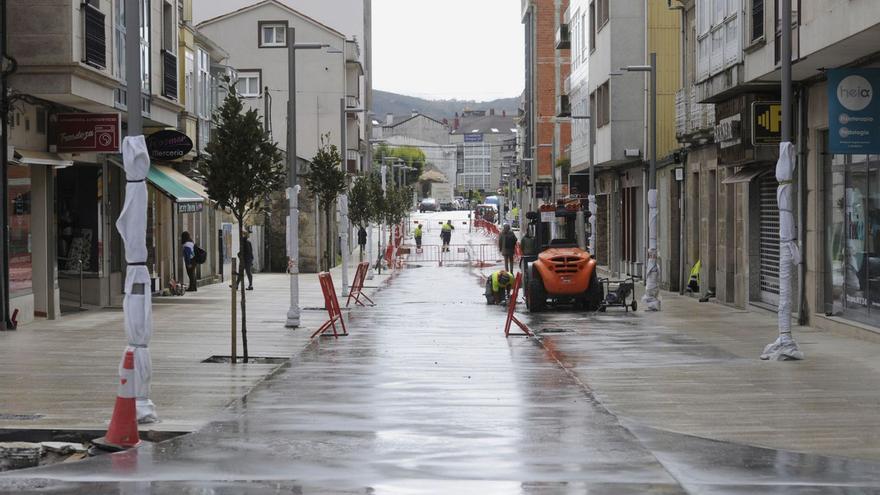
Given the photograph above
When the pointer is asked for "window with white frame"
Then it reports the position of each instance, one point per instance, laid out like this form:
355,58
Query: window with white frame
273,34
718,36
248,83
204,82
119,38
189,80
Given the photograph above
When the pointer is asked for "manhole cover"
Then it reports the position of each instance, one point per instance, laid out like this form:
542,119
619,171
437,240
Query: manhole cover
20,417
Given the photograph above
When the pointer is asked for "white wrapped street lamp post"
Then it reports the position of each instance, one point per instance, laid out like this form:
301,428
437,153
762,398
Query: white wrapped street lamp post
137,304
784,347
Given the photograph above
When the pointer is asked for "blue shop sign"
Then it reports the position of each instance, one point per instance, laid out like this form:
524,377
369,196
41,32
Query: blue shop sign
853,111
473,138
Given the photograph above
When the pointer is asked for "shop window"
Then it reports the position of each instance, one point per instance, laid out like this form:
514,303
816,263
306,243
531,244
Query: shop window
20,258
852,236
78,211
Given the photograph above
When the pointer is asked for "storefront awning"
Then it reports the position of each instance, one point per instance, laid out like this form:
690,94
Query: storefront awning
745,175
172,188
28,157
184,181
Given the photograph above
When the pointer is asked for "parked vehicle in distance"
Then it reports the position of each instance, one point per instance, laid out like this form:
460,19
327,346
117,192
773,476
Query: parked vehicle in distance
447,206
429,204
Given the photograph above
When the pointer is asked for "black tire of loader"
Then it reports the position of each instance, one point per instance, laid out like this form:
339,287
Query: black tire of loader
537,296
595,293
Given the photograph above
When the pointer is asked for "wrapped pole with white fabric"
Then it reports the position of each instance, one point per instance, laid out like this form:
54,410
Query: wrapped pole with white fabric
137,303
593,210
651,299
785,347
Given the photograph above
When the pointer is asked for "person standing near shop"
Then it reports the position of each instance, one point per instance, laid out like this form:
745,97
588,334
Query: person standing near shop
189,260
246,255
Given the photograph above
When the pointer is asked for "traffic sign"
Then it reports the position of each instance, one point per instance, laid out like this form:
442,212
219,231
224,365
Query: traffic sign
766,123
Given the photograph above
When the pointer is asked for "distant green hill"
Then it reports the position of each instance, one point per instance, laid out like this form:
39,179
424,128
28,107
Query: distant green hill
385,102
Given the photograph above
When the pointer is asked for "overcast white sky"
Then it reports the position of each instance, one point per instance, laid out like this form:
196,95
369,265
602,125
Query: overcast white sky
465,49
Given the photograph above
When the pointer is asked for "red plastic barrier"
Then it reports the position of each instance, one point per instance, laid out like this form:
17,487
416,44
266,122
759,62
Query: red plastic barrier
332,306
511,307
357,286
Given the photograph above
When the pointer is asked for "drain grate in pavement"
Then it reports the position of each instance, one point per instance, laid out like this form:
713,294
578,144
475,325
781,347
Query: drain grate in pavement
555,330
251,360
20,417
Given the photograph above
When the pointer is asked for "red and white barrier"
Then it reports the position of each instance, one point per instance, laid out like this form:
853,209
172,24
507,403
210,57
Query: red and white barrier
332,305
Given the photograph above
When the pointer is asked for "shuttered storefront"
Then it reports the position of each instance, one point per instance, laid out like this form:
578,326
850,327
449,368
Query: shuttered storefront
769,239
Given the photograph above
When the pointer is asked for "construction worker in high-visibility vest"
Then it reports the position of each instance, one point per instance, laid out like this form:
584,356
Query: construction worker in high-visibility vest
417,235
446,234
498,287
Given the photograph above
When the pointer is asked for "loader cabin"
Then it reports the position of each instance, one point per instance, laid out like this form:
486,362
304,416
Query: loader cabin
557,226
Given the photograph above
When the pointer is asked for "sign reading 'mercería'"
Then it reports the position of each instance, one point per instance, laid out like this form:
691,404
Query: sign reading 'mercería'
168,145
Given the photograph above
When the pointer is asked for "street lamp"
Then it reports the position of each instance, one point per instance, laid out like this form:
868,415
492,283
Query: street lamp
651,299
292,179
370,143
592,196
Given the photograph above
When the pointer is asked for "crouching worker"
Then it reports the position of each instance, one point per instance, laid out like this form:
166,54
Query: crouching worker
498,287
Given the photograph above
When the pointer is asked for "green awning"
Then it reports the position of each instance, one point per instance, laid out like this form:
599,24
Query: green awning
175,190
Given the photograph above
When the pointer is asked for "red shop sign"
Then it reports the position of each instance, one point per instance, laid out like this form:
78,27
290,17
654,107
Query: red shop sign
87,132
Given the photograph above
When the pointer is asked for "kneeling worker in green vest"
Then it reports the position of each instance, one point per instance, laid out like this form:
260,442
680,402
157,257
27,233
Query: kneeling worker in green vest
498,287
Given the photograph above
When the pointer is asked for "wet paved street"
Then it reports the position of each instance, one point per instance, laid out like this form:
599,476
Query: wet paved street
427,396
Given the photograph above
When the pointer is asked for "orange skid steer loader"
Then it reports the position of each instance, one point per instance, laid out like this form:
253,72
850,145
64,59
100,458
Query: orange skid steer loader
556,268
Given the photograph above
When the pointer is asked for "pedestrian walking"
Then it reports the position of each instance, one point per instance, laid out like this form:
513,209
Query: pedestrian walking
507,245
446,234
417,235
189,260
498,287
246,256
362,240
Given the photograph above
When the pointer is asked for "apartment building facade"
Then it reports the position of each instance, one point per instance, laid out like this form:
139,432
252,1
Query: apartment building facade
605,36
545,140
255,37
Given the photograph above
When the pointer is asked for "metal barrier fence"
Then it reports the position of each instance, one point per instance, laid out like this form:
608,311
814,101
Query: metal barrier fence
477,254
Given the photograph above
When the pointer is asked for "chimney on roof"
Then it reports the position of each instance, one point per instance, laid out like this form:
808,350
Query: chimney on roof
414,113
492,112
456,123
389,118
446,122
504,113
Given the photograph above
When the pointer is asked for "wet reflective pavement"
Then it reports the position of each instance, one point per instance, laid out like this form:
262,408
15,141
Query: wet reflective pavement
427,396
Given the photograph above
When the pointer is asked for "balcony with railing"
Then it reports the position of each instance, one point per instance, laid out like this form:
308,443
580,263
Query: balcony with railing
693,121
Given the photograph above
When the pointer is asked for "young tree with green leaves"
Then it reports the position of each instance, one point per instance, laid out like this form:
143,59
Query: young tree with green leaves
326,180
242,167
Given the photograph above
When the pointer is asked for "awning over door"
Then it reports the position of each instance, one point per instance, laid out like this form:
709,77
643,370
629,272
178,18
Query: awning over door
172,188
746,174
29,157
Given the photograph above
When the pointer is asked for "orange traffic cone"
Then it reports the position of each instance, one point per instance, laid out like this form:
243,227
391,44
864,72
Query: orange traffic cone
123,431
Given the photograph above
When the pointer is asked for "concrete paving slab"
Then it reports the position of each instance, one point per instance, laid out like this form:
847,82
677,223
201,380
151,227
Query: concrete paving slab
62,374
